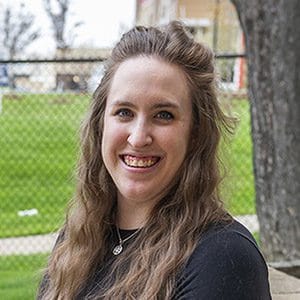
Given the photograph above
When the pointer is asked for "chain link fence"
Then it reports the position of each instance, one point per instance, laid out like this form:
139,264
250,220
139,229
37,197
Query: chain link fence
42,104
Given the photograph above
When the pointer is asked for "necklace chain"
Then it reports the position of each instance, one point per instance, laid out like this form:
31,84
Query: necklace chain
119,248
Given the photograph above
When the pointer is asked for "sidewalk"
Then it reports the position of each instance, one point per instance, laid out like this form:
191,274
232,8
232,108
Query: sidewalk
44,243
27,245
249,221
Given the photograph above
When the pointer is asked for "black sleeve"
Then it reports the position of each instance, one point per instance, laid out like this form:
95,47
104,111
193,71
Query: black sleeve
227,266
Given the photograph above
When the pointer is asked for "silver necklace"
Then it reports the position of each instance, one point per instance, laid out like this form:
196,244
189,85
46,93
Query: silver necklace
119,248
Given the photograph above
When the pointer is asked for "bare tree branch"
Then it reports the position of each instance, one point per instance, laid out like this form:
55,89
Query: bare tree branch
18,27
58,12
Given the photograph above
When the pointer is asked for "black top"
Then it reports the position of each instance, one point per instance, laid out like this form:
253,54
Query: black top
226,264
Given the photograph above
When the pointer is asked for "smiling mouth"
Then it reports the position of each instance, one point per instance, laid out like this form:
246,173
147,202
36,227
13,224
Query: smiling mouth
140,162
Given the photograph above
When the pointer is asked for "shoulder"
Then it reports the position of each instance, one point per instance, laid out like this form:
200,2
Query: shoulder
226,264
232,246
231,238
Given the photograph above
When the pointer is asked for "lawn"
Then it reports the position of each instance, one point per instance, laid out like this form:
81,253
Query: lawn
38,150
20,275
238,187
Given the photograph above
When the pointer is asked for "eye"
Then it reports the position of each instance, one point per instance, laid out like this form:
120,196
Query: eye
124,113
165,115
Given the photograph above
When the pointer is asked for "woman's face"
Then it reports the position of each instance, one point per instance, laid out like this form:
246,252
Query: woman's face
147,126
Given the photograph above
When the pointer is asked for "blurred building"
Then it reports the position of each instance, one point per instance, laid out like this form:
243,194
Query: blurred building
77,70
213,22
85,76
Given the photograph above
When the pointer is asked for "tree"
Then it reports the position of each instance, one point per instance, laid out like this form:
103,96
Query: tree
18,30
272,37
58,12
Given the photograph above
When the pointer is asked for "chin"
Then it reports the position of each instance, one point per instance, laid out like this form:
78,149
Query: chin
139,196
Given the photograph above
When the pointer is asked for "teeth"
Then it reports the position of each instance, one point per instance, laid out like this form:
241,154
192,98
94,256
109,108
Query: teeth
139,162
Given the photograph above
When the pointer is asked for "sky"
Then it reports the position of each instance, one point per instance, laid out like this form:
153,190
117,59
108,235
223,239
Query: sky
103,21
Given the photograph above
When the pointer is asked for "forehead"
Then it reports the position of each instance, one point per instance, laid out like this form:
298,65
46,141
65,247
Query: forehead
148,77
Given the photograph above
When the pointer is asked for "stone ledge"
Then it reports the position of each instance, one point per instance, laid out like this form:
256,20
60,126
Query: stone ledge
283,286
289,267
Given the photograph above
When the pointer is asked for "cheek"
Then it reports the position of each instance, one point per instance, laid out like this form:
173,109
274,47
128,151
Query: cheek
176,142
182,135
114,136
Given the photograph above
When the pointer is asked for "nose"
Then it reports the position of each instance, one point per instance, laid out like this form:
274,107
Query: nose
140,134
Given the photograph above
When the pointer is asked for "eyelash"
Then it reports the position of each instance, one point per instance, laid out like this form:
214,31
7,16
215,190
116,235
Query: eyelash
165,115
125,114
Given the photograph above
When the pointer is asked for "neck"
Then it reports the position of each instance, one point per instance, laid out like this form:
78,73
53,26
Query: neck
131,216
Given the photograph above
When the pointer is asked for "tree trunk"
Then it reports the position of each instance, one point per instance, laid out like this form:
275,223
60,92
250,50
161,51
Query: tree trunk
272,36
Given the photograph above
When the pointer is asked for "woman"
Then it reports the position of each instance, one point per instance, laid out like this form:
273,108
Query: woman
147,221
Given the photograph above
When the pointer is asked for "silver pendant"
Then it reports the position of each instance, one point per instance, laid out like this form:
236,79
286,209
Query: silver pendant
117,250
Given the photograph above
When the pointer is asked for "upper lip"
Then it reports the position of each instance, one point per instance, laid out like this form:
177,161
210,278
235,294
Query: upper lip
141,155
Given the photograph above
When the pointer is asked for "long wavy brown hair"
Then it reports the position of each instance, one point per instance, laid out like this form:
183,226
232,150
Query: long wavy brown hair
175,224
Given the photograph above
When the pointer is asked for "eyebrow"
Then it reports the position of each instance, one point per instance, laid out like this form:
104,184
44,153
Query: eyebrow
166,104
123,103
162,104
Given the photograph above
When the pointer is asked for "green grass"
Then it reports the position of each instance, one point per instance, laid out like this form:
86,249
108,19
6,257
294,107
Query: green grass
238,187
20,276
38,150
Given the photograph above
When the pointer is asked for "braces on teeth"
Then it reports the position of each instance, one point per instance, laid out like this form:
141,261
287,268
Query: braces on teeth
141,163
